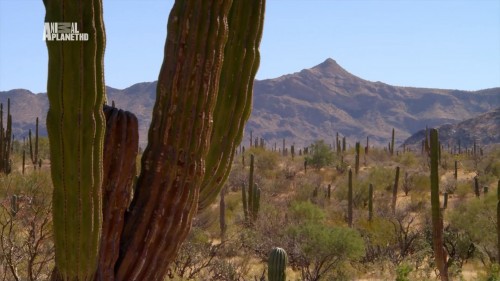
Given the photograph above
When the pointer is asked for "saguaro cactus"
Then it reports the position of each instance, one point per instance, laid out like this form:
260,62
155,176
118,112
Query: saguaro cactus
75,125
357,158
349,200
392,142
370,202
395,191
276,265
498,220
437,216
5,140
34,148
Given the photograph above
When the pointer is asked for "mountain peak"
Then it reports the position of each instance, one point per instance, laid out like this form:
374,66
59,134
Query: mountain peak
331,68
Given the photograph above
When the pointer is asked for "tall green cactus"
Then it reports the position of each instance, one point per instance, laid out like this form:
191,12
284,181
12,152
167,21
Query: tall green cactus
437,216
34,148
498,221
349,200
5,141
75,125
392,142
276,265
395,191
357,158
244,200
370,202
14,205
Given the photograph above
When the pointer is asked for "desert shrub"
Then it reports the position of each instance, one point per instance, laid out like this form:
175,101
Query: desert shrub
475,218
321,156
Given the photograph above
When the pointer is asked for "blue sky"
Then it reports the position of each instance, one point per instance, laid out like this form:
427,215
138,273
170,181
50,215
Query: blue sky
423,43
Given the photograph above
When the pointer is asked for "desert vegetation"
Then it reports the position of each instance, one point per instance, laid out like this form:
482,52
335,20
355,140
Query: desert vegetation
329,222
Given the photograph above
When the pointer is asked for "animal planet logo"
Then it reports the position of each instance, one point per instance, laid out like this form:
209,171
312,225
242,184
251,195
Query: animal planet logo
63,31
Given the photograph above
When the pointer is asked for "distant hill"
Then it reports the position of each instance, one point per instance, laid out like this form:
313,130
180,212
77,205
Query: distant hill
302,107
484,129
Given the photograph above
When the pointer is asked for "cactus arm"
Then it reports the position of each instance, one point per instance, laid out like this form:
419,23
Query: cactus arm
234,101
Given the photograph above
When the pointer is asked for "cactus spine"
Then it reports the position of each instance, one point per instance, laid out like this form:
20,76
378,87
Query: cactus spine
395,191
437,217
276,265
75,125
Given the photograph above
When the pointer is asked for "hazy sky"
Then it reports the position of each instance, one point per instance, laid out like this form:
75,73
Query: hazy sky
423,43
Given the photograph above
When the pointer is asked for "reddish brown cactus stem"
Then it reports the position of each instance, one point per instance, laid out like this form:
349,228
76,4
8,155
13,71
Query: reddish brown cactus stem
120,152
173,162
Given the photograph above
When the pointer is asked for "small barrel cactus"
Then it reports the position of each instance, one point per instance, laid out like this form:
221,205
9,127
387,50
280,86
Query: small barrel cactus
277,264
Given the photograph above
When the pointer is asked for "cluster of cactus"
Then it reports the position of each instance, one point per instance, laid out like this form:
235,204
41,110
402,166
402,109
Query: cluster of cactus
5,141
276,265
211,57
437,216
251,201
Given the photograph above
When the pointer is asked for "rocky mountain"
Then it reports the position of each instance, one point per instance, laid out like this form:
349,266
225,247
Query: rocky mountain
316,103
302,107
483,129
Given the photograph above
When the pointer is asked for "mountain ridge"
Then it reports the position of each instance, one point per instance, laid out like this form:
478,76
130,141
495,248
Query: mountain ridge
311,104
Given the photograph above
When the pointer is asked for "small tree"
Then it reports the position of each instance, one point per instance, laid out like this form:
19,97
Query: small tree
321,156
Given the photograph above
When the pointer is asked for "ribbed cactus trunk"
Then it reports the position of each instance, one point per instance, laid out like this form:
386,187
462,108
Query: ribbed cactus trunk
181,132
276,265
476,187
34,148
437,216
395,191
120,152
75,125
